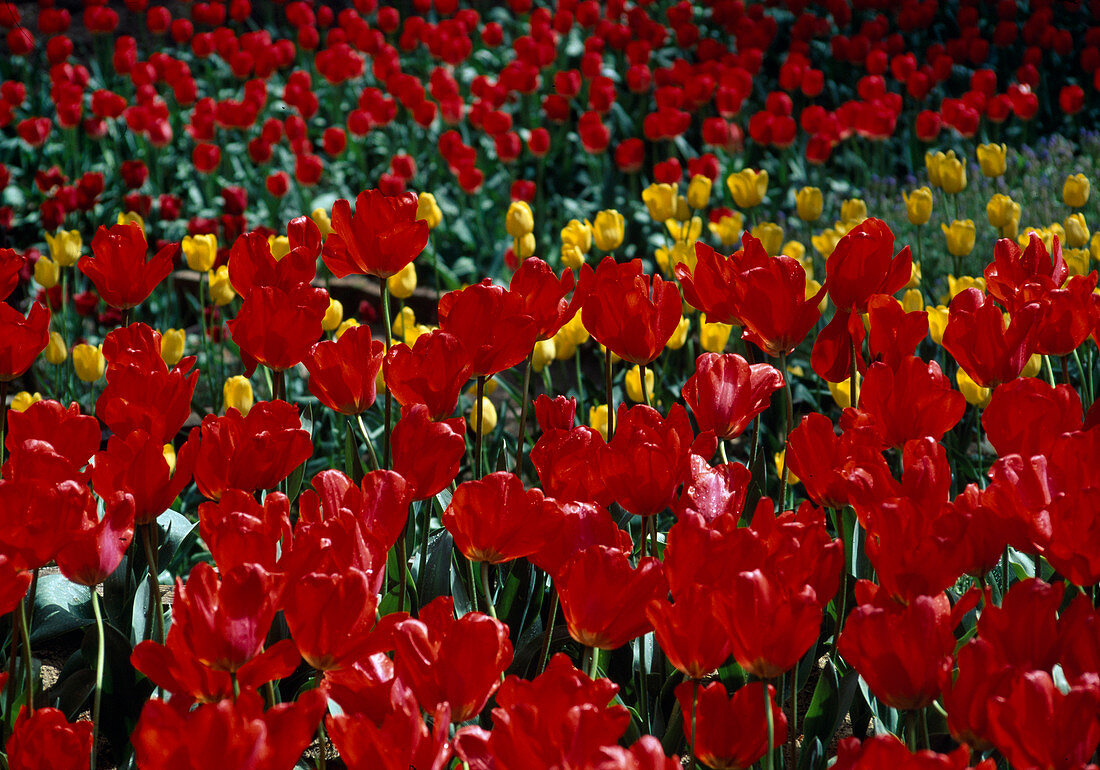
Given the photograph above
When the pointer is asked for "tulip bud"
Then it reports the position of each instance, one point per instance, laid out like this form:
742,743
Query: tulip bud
679,337
23,400
56,351
200,251
809,203
770,236
65,246
334,316
991,158
660,200
748,187
952,174
280,246
344,326
404,321
321,218
1001,211
402,283
698,194
634,384
974,393
545,352
713,337
918,206
524,247
1075,192
960,237
1077,230
579,235
728,228
597,419
519,220
937,322
132,218
853,210
47,273
428,210
1033,366
912,301
608,230
89,363
221,290
488,417
171,346
237,394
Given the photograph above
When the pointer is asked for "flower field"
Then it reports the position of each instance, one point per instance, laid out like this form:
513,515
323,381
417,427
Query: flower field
568,385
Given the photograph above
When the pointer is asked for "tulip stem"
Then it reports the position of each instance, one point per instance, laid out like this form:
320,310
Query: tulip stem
3,420
28,666
155,606
593,668
694,707
769,718
521,439
645,390
477,432
853,385
485,590
99,657
385,292
1086,379
549,632
610,395
788,422
206,345
911,730
370,444
722,451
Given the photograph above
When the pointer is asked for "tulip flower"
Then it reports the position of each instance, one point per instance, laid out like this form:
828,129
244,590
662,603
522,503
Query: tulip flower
607,230
1053,411
1075,191
959,236
910,402
426,453
689,632
808,203
21,339
342,373
399,739
200,251
119,268
330,617
277,328
991,158
725,393
918,206
568,463
380,238
748,187
65,246
495,520
1002,211
431,372
44,738
492,324
989,350
729,732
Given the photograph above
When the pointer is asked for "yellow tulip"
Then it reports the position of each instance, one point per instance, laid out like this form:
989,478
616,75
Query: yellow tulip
974,393
1033,366
200,251
853,210
812,288
23,400
991,158
132,218
545,352
795,250
169,453
937,322
781,467
960,237
65,246
519,220
221,290
770,236
280,246
912,301
334,315
698,194
918,205
237,394
962,283
406,319
952,174
571,256
347,323
172,345
1094,246
748,187
933,161
842,392
1077,261
608,230
88,361
809,203
1001,210
56,351
488,417
578,234
1077,230
321,218
660,201
1075,192
679,337
914,277
428,209
524,247
667,259
684,230
597,419
683,210
634,384
403,283
728,228
713,337
47,273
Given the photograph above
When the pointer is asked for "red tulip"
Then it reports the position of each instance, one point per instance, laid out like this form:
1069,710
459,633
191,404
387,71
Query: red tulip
725,393
251,263
495,520
603,599
73,436
730,732
713,286
713,492
568,463
380,238
887,751
380,504
863,264
400,739
11,264
14,583
912,402
492,323
452,662
689,632
330,617
773,305
427,454
238,530
632,314
343,372
97,548
577,526
431,372
45,739
1017,278
276,328
558,413
136,466
119,268
894,334
1051,412
544,295
977,337
21,339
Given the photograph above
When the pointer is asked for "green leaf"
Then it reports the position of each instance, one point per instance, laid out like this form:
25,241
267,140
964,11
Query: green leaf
60,606
824,711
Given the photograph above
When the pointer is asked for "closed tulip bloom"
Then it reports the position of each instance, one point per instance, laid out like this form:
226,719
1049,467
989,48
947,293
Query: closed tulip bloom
276,328
65,246
632,314
519,221
431,372
495,520
56,352
689,632
918,205
770,235
119,269
977,336
730,733
172,343
45,739
748,187
809,203
200,251
1077,230
96,549
959,236
21,339
578,234
237,394
47,273
1002,211
342,373
330,617
221,289
728,228
380,238
491,323
633,381
698,192
725,393
713,337
427,453
24,400
648,458
853,210
911,401
334,316
88,362
608,230
427,209
604,599
991,158
1075,192
488,417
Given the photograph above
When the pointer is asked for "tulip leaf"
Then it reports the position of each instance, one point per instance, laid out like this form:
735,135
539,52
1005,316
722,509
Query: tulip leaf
60,606
824,713
294,481
813,754
353,464
71,693
1022,564
886,718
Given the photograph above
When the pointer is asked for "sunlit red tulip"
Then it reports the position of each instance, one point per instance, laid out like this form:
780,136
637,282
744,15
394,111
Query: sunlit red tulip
725,393
730,731
120,269
494,519
380,238
343,372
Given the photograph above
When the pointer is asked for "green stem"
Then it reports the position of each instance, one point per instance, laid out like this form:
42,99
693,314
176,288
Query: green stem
545,656
593,663
788,423
370,444
402,564
521,438
610,395
477,431
99,658
206,343
389,396
694,707
769,718
155,607
28,666
911,730
485,590
645,390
